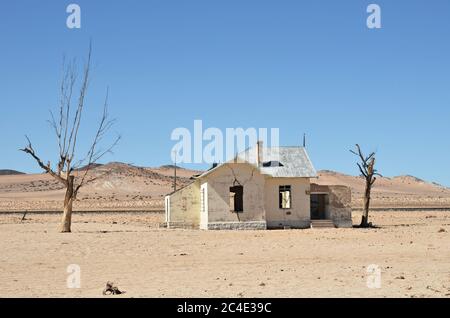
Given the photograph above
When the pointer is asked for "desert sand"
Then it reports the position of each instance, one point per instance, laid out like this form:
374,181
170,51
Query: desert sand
412,249
117,237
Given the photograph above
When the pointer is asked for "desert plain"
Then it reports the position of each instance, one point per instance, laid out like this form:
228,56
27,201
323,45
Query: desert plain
116,236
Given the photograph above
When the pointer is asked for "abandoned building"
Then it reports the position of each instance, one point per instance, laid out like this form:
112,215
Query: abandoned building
261,188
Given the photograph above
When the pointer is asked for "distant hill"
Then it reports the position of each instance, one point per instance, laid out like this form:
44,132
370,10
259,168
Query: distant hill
403,190
168,167
334,176
7,172
112,186
91,166
124,186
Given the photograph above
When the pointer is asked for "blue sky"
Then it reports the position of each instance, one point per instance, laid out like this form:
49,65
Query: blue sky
302,66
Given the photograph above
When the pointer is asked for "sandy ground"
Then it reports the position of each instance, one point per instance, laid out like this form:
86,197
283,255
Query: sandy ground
412,250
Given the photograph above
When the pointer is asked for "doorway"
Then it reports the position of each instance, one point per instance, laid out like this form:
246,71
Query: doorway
319,205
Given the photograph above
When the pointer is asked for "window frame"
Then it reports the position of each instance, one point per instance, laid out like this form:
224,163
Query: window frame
281,190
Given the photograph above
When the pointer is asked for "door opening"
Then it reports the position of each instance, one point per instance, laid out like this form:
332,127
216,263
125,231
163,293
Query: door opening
319,205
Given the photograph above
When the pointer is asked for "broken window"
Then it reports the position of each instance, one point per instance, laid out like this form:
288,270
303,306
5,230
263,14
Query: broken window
285,197
237,198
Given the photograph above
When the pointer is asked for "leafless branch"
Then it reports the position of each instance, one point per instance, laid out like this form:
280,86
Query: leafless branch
46,167
95,154
77,120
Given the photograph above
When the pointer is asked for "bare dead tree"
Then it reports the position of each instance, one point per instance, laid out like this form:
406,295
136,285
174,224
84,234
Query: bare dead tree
66,127
367,168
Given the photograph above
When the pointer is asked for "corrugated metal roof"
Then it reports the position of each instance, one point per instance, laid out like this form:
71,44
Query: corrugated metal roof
293,162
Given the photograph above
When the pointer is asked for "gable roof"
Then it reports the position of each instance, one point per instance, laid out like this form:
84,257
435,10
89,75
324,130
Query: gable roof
293,162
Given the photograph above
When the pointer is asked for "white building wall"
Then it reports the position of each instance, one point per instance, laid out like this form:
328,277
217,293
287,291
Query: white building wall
182,208
218,193
299,215
204,206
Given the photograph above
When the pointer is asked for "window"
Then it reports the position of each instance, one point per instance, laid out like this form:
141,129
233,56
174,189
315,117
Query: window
285,197
237,198
272,164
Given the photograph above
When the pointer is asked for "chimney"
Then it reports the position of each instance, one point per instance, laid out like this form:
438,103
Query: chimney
259,153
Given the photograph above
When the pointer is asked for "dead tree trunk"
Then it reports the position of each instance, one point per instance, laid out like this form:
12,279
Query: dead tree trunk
367,168
365,216
68,204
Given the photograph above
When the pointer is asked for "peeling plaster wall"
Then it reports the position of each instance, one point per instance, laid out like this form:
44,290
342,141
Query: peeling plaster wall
184,207
340,208
339,203
299,216
219,183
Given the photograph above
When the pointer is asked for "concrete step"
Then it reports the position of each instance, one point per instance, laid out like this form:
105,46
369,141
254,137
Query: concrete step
315,224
